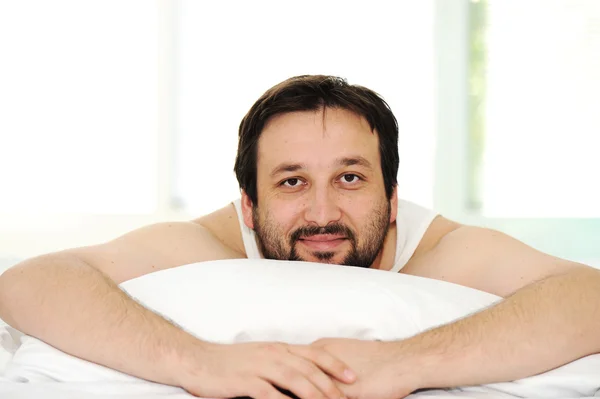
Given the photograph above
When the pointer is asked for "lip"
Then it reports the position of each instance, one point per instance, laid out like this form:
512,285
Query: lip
323,242
324,237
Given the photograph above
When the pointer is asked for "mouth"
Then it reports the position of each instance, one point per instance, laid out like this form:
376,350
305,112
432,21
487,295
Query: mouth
323,242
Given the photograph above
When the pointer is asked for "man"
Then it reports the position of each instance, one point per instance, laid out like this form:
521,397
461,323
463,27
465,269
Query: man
317,163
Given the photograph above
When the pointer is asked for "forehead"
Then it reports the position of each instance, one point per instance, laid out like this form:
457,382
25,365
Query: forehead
316,139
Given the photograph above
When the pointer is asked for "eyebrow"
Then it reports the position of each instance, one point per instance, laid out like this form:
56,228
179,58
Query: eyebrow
345,161
287,167
357,160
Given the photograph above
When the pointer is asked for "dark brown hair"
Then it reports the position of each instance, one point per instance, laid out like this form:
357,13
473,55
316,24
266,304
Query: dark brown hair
311,93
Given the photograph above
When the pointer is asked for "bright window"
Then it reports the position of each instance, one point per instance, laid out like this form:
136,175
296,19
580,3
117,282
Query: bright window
542,102
79,106
79,122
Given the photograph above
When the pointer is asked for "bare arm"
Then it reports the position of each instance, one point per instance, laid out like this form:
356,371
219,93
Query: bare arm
541,327
71,300
550,303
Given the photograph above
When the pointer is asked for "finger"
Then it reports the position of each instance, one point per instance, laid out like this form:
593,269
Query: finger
326,362
261,389
316,376
286,376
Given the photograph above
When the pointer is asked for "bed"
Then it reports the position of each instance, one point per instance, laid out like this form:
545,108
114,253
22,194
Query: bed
369,304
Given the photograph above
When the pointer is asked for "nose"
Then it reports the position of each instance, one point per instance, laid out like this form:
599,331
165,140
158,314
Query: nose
322,207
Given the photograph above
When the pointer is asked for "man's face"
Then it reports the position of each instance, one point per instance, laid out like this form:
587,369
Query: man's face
321,196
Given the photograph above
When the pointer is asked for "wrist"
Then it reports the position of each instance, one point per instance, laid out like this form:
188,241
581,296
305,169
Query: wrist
418,362
185,357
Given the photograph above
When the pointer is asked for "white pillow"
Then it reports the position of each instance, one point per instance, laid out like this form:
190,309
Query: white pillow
260,300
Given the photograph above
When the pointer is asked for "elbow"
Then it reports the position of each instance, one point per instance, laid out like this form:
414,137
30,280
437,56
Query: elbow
9,280
19,285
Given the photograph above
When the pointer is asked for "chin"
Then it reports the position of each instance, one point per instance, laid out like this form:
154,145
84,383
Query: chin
336,259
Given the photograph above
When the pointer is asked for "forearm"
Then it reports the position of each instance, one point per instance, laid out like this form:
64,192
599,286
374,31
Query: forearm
75,308
540,327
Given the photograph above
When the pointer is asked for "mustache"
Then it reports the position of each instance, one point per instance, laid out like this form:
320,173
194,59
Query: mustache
308,231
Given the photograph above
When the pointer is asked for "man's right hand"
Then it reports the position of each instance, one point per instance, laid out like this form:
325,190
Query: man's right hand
255,369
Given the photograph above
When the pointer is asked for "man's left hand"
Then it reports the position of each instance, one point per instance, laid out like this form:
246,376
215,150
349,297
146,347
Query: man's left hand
384,369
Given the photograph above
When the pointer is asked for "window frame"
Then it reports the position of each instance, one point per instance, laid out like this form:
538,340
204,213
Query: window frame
571,238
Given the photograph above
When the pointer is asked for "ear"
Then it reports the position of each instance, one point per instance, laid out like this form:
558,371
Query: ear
247,210
394,204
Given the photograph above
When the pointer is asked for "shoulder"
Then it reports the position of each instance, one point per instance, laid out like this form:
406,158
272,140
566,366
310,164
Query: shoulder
421,225
439,228
225,226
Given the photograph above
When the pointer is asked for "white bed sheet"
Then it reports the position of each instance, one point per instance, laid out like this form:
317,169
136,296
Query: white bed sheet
137,390
8,337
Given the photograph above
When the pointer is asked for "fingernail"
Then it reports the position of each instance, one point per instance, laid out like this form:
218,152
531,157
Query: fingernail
349,374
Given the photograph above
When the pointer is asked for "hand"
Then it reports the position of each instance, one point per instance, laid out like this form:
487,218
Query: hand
256,369
383,370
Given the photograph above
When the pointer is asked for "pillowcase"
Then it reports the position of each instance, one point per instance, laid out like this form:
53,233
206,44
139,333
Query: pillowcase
241,300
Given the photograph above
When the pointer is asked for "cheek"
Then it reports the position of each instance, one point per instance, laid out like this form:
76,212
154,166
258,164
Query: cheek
285,216
360,209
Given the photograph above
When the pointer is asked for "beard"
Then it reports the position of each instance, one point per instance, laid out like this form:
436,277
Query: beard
364,248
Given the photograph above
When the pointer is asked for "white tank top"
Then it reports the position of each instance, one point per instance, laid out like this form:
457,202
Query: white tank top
411,223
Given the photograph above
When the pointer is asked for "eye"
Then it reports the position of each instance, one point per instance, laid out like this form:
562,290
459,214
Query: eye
293,182
350,178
